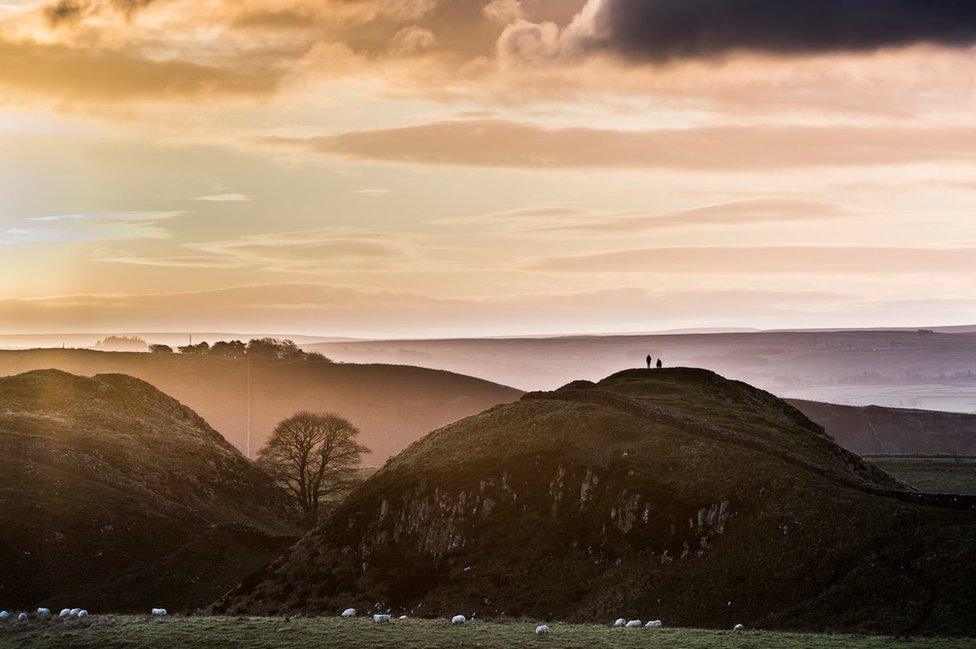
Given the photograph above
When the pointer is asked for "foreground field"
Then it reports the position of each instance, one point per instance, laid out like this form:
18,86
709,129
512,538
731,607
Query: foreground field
258,633
955,475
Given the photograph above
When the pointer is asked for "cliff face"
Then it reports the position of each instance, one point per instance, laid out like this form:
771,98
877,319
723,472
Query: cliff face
117,496
672,494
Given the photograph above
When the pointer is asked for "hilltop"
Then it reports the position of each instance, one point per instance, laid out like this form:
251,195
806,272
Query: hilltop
114,496
672,494
392,405
928,369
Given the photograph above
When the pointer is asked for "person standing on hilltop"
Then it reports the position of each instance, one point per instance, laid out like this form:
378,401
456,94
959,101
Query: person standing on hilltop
660,364
649,359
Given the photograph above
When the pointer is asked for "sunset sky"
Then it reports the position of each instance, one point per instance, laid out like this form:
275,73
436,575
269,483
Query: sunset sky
379,168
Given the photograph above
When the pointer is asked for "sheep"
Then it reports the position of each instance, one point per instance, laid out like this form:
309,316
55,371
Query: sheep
620,622
542,629
403,617
349,612
738,627
74,612
22,617
82,614
43,612
633,624
458,619
4,615
159,612
653,624
381,618
65,612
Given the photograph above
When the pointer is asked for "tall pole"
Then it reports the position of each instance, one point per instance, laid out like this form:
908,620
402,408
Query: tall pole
247,442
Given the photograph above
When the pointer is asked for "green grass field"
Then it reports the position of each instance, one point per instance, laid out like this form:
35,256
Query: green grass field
131,632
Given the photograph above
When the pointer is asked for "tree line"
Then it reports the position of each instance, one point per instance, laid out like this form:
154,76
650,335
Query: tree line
261,348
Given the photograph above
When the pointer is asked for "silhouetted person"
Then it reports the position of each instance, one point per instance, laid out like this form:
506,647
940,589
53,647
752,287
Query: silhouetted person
649,359
659,364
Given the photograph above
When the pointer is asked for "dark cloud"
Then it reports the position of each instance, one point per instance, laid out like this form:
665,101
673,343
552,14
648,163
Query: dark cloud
667,29
66,11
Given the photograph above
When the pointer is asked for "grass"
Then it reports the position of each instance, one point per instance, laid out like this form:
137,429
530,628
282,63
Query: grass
131,632
932,474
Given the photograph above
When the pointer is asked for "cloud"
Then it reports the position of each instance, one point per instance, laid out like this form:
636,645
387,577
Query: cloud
67,11
109,217
768,260
733,213
412,40
339,310
503,12
306,251
496,143
98,75
662,30
89,227
225,198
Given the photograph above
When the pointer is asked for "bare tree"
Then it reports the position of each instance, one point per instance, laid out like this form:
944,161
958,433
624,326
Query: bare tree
313,455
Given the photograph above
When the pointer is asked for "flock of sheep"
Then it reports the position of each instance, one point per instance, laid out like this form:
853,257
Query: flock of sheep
65,614
379,618
542,629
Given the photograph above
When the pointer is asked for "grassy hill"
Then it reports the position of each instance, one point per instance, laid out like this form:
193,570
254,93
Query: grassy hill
392,405
894,431
114,496
300,633
671,494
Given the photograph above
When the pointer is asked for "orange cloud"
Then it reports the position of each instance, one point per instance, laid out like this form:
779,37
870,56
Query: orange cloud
766,260
97,75
496,143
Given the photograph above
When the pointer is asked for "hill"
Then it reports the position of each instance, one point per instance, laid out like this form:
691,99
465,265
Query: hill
672,494
114,496
870,430
392,405
896,368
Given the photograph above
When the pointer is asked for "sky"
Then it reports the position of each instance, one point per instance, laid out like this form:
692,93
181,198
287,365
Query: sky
425,168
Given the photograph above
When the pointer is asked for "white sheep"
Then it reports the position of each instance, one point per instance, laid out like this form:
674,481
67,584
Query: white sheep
82,614
74,612
542,629
159,612
738,627
349,612
654,624
22,617
65,612
403,617
458,619
43,612
4,615
633,624
381,618
620,622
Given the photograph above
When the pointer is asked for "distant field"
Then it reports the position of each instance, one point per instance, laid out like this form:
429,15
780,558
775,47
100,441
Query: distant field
259,633
932,474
